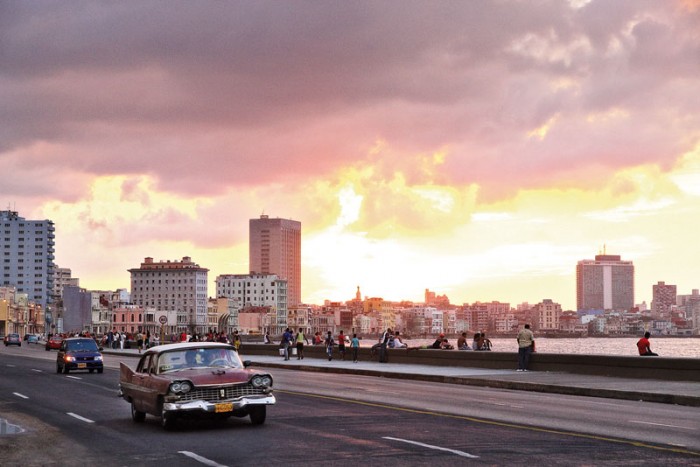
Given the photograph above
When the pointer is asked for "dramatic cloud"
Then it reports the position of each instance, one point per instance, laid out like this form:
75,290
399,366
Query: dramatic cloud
404,129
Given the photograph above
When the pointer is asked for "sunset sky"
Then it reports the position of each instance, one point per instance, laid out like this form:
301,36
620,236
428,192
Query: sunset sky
475,148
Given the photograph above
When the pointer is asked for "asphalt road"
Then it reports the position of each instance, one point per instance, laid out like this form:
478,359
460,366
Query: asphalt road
334,419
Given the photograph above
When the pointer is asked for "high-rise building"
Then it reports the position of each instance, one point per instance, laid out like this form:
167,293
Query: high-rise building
605,283
179,286
275,248
27,256
663,298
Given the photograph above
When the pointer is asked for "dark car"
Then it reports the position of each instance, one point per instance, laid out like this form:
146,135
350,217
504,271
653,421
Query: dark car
197,380
79,353
12,339
54,342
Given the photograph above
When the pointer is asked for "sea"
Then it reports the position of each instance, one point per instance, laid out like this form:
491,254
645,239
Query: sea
664,346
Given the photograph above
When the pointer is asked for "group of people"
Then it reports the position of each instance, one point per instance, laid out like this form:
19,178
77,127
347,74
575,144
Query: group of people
479,342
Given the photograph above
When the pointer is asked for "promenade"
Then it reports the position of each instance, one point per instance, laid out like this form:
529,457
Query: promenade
650,390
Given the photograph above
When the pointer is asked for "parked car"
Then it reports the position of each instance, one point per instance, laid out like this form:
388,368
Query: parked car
32,339
54,342
79,353
12,339
197,380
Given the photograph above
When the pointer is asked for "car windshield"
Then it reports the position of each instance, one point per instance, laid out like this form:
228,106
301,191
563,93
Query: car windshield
83,345
198,358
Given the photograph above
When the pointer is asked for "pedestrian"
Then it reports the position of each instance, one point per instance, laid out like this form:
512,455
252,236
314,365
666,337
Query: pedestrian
147,341
383,354
139,341
236,340
526,340
286,342
300,340
329,346
644,346
341,345
355,346
122,339
266,338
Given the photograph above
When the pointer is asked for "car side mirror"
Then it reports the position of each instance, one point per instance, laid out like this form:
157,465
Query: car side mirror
247,363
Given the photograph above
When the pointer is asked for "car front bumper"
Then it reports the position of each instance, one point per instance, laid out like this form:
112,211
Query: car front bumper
218,407
84,365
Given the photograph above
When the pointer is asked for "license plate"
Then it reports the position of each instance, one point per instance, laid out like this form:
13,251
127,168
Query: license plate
82,365
223,407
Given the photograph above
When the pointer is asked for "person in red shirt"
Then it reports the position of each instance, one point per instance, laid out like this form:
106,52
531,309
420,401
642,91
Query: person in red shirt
644,346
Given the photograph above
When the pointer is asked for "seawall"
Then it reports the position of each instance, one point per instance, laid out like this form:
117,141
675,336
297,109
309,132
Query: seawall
665,368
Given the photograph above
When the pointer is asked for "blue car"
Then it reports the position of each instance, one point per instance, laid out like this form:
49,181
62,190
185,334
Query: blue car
13,339
32,339
79,353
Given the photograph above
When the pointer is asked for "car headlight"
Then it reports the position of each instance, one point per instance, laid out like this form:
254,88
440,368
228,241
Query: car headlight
181,387
98,358
261,381
68,358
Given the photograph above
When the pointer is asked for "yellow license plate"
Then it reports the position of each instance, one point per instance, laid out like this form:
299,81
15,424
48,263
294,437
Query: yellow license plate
223,407
82,365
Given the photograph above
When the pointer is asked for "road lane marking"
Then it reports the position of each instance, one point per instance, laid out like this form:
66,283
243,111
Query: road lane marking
86,420
430,446
201,459
638,444
20,395
38,371
11,366
662,424
74,377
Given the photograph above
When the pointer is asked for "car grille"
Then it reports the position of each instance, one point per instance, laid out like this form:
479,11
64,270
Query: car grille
217,393
84,359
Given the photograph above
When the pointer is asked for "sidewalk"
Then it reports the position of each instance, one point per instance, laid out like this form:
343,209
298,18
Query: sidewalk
667,392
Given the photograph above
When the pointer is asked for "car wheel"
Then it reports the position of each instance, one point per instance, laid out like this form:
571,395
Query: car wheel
136,415
65,369
99,370
167,421
257,414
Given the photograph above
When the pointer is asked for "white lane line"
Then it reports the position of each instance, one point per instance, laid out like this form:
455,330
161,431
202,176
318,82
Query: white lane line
430,446
74,377
661,424
20,395
201,459
11,366
38,371
86,420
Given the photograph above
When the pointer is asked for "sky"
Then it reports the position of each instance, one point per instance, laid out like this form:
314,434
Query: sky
478,149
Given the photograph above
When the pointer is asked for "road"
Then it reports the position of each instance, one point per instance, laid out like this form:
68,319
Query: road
334,419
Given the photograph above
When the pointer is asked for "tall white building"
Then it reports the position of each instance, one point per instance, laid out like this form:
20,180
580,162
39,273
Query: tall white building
275,248
27,256
256,290
606,283
179,286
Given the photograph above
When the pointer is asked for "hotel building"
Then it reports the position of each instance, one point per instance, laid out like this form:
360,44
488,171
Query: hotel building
275,248
605,283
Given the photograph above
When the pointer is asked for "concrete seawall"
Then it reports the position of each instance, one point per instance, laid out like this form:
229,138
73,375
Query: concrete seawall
664,368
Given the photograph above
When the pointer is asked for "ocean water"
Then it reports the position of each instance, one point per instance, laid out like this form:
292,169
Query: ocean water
664,346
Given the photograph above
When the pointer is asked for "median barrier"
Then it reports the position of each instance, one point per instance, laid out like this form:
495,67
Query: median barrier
664,368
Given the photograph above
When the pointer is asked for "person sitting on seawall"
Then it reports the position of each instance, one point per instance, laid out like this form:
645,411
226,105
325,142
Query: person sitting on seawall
398,343
644,346
445,345
475,341
435,345
484,342
462,342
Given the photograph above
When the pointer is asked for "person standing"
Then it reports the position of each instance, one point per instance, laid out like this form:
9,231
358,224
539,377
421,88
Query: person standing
329,346
355,346
341,345
383,354
526,339
139,341
301,339
286,342
644,346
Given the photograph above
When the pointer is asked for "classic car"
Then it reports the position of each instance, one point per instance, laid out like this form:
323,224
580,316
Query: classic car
79,353
12,339
195,380
54,342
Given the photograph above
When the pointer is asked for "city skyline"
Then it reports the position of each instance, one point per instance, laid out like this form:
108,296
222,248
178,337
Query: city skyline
476,149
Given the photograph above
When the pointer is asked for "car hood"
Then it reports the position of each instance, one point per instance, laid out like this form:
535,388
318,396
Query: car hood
211,376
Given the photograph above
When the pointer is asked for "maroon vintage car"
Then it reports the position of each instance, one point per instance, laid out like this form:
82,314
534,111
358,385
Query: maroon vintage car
195,379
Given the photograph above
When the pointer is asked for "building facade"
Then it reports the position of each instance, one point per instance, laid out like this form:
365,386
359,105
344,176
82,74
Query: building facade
275,248
27,249
179,286
605,283
663,299
254,291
